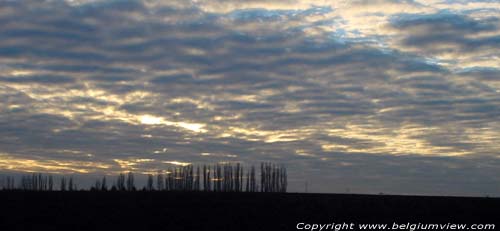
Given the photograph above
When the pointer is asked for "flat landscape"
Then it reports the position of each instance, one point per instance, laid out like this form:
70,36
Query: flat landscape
84,210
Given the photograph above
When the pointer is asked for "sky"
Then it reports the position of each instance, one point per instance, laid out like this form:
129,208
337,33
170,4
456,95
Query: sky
359,96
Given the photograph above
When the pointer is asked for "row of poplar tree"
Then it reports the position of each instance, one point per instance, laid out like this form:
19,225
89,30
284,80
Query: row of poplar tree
210,178
38,182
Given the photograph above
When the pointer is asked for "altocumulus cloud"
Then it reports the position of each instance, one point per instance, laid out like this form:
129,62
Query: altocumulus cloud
375,96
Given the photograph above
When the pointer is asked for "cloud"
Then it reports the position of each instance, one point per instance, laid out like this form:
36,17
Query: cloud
485,74
303,83
45,79
450,37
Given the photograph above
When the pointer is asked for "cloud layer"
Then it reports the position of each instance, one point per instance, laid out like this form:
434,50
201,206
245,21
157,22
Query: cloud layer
366,95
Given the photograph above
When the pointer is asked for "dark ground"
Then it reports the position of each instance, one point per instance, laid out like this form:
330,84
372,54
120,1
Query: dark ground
229,211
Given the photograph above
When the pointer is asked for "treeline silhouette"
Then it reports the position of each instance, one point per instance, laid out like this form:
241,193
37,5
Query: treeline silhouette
38,182
207,178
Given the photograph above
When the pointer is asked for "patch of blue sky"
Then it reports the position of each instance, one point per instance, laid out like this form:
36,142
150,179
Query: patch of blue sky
272,15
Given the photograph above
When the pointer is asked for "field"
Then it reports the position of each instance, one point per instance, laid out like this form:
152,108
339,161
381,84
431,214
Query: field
229,211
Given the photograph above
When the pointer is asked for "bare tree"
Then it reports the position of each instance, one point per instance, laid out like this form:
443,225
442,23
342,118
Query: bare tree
209,181
283,181
220,177
241,178
197,179
40,182
262,177
120,182
203,172
160,182
71,185
63,184
149,185
253,183
168,180
51,183
130,182
97,186
247,188
104,186
10,183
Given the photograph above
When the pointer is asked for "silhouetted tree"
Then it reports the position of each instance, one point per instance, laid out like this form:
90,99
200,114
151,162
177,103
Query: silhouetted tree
97,186
10,184
45,183
104,186
262,177
160,182
71,185
168,180
63,184
150,186
253,182
7,183
191,178
247,188
219,178
120,182
130,182
225,177
283,180
41,182
209,181
205,181
197,179
241,178
51,183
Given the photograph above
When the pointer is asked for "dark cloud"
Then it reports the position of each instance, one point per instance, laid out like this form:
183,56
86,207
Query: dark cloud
44,79
446,32
485,74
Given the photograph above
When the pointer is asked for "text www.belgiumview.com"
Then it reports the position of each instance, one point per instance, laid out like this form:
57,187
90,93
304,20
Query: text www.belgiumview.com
392,226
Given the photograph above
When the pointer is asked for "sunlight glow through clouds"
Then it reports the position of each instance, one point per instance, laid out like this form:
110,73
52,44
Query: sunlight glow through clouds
177,163
20,72
153,120
11,162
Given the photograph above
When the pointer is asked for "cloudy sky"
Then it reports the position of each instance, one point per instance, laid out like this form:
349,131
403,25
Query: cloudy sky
365,96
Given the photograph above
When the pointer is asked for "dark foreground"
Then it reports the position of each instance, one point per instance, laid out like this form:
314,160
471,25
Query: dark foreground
230,211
